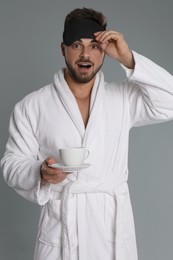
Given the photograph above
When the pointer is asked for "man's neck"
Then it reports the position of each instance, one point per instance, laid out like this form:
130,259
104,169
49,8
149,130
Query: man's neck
82,94
79,90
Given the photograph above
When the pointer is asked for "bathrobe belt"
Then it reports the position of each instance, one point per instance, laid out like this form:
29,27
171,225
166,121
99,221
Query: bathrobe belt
115,187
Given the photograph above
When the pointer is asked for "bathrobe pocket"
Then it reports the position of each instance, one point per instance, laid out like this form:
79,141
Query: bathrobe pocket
50,224
126,220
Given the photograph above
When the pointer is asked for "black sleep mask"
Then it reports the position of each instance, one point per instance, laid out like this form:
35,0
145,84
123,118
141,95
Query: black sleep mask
80,29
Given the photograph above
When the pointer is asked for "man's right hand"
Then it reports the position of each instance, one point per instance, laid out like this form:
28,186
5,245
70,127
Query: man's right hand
51,175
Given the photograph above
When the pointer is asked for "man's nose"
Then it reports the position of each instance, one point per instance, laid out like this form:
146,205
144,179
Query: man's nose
85,52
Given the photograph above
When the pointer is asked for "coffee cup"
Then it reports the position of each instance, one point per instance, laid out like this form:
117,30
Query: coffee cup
73,156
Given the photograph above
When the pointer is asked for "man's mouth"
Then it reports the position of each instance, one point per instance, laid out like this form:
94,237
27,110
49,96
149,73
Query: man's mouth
84,65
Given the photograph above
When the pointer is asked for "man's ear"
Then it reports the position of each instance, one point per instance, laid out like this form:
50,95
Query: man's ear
63,49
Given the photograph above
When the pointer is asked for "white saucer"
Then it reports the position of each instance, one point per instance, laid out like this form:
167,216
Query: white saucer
69,168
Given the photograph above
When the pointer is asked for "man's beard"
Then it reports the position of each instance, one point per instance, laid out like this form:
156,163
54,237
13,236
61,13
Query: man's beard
83,78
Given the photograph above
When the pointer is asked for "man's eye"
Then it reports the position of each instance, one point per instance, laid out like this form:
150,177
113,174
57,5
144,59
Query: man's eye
76,46
95,46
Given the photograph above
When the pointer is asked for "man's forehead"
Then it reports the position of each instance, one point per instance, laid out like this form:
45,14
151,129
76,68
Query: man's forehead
86,40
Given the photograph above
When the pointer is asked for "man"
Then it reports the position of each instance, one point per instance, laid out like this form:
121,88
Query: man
85,215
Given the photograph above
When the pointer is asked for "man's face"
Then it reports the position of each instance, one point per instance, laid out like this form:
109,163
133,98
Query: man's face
84,59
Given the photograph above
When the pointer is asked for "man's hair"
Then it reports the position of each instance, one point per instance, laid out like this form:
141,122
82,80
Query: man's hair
86,14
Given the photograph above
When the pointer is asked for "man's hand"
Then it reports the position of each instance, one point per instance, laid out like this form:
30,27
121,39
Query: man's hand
50,175
115,46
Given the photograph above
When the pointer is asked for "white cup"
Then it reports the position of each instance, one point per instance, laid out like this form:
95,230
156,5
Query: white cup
73,156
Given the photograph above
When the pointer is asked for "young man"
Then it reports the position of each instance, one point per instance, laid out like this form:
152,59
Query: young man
85,215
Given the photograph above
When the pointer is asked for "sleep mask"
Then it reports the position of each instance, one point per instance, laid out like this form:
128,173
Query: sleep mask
80,29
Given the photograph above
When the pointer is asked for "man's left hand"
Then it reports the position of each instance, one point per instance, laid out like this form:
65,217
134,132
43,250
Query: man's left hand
115,46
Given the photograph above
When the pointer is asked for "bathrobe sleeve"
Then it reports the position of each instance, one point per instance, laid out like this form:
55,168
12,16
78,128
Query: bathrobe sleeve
20,165
150,92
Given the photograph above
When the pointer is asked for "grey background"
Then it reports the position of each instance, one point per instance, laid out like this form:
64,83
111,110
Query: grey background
30,37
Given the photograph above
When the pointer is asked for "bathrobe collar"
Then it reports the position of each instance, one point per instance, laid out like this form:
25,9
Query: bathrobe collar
69,102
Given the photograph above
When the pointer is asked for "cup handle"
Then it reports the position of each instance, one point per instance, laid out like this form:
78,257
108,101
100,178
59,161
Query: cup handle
86,153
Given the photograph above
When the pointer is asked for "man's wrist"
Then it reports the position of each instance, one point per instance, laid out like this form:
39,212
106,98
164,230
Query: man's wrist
129,62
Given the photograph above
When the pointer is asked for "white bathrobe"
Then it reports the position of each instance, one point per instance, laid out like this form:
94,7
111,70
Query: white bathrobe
88,216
